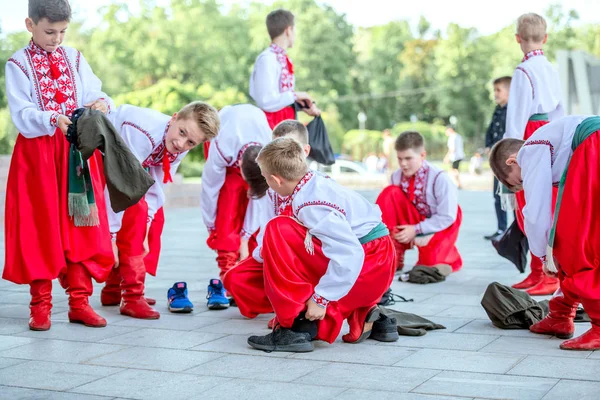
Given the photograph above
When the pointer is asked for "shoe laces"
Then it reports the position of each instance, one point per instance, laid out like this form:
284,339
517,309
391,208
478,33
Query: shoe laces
397,298
179,294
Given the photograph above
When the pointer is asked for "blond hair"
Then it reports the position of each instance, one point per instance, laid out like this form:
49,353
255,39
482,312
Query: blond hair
283,157
291,128
498,156
531,28
205,115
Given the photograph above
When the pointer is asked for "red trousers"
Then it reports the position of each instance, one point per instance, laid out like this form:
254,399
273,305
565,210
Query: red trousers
291,274
531,127
246,283
40,237
154,242
577,237
397,209
273,118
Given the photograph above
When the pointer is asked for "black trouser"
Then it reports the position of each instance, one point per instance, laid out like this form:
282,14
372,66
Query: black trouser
500,213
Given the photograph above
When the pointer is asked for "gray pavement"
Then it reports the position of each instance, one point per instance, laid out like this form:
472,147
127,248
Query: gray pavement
204,355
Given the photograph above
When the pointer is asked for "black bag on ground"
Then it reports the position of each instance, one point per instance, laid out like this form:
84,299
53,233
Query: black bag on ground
320,147
510,308
513,246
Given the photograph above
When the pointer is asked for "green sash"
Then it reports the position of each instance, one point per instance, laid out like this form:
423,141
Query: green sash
539,117
582,132
82,203
378,232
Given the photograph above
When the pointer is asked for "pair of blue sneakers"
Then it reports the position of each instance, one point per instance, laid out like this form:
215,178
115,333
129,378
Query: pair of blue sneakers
178,301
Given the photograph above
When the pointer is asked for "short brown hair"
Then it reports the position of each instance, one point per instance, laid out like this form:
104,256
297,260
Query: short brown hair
531,27
291,128
503,80
284,157
257,184
498,156
278,21
409,140
52,10
205,115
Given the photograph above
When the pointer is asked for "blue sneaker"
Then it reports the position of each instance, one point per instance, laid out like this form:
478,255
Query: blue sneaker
178,299
217,297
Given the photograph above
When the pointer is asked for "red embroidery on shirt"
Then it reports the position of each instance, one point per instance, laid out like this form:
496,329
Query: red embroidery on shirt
243,150
418,193
320,203
533,53
145,132
155,159
545,143
320,300
286,80
21,66
288,200
530,81
78,61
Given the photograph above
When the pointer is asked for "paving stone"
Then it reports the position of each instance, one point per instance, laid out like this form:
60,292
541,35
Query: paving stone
150,385
362,394
9,342
356,354
19,393
60,351
52,376
367,377
156,359
9,362
545,345
489,386
439,339
558,367
261,390
464,312
568,389
236,344
485,327
11,326
163,338
177,322
259,368
456,360
78,332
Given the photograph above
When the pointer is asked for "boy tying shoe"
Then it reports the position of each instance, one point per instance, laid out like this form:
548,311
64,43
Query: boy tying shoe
159,142
272,81
331,260
420,207
563,153
535,99
45,84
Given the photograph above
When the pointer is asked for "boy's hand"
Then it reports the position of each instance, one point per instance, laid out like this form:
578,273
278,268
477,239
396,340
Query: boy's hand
304,99
313,111
63,123
99,105
313,311
115,253
406,233
244,251
146,245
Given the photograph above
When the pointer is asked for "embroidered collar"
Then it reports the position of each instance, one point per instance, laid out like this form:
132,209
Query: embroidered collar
33,47
288,200
244,148
419,190
160,152
533,53
277,49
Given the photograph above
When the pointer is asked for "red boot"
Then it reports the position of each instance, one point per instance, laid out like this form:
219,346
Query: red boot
133,275
361,324
548,285
559,322
535,276
111,292
588,341
226,260
41,304
79,290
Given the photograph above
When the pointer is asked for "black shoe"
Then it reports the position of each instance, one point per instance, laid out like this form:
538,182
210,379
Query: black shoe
389,298
385,329
283,339
494,235
301,324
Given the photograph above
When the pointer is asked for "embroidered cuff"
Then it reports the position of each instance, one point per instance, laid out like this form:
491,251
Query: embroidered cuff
149,220
245,235
320,301
113,236
544,260
54,119
211,229
418,230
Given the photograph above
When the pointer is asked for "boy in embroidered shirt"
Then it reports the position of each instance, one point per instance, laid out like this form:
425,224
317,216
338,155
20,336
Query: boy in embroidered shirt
245,281
535,99
159,142
224,198
332,261
272,81
45,84
421,208
559,153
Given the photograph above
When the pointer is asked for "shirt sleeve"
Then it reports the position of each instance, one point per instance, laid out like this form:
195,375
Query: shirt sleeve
340,245
252,218
446,195
267,213
29,120
213,178
265,86
558,113
537,183
519,105
92,85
